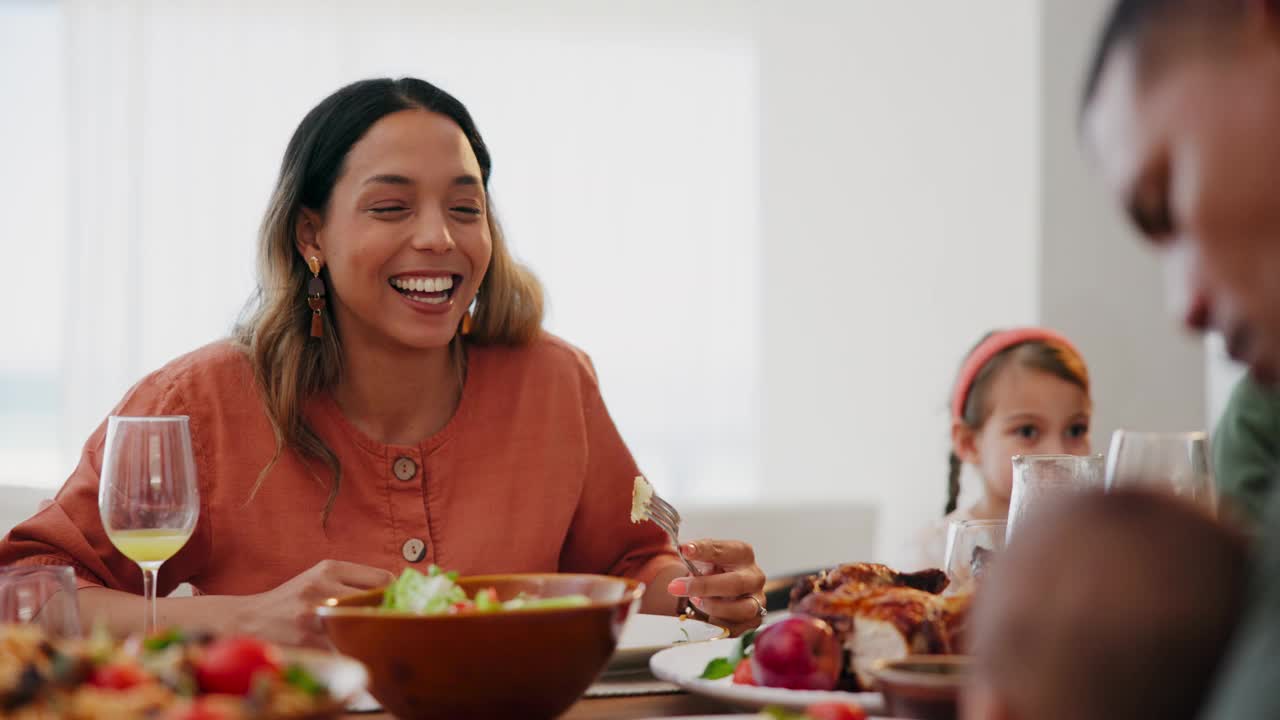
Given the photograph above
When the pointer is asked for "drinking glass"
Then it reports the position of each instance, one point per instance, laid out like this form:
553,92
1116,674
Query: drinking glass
1175,463
148,496
43,595
1040,481
971,546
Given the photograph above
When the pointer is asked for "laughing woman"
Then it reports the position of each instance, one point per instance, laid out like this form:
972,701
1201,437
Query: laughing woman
392,401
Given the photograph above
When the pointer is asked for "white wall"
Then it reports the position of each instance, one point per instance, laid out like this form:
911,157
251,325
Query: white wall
936,144
899,216
1098,284
626,147
33,190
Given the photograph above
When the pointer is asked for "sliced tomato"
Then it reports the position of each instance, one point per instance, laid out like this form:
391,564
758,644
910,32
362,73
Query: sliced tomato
118,676
229,666
742,673
836,711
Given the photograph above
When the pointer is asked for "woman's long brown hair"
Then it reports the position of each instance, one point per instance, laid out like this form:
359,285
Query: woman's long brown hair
290,367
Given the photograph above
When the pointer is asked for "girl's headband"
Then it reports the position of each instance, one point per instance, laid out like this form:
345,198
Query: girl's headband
993,345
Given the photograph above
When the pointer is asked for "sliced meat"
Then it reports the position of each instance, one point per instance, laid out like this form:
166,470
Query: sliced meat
873,640
954,622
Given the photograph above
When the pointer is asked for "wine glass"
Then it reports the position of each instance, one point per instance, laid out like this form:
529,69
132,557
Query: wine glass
1175,463
148,496
971,546
43,595
1040,481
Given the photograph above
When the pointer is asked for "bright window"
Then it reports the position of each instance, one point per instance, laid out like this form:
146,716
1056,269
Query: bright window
145,142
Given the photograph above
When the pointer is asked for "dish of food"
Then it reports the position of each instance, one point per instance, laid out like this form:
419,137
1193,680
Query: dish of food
437,593
645,635
840,624
926,686
169,676
528,663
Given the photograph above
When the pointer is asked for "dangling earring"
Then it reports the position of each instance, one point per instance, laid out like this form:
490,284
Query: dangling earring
315,297
467,323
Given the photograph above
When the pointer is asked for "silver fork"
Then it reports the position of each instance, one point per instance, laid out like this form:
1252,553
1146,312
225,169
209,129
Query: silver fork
668,518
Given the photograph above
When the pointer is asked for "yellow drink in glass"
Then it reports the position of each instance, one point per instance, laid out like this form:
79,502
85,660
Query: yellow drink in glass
146,546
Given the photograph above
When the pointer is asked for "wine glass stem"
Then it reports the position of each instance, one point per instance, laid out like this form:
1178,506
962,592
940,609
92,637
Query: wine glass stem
149,571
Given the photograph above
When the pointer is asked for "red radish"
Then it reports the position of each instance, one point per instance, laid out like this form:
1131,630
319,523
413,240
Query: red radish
799,653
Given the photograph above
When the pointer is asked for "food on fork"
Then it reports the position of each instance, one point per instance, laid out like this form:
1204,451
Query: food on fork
168,676
641,496
646,505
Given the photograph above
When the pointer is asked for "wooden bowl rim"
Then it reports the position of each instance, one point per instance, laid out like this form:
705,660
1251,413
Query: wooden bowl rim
341,607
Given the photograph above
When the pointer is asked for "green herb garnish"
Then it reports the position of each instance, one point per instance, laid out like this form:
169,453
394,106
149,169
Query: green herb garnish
743,648
723,667
301,678
164,639
718,668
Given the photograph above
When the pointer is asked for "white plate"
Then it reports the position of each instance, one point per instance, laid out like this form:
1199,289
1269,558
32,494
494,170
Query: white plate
345,677
683,664
645,635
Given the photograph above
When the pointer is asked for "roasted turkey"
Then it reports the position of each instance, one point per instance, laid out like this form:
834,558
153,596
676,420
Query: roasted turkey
879,613
868,575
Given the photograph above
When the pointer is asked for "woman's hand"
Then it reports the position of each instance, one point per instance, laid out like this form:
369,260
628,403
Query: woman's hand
286,615
730,591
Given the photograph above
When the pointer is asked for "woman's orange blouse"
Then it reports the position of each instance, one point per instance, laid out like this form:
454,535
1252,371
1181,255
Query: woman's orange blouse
530,475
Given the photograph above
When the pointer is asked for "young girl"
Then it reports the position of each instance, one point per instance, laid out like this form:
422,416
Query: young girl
1023,391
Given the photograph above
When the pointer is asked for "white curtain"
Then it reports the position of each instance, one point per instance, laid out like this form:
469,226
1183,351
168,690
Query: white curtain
626,174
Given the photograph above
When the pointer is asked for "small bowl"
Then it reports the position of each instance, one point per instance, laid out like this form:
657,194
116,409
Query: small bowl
529,664
923,687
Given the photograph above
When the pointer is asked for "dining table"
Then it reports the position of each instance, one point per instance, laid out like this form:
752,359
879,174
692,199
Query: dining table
622,708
